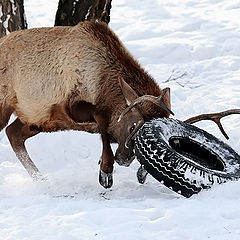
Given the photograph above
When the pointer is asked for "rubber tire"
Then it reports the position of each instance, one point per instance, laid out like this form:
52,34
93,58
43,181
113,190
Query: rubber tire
176,171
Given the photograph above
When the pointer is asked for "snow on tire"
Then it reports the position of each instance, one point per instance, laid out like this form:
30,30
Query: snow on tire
183,157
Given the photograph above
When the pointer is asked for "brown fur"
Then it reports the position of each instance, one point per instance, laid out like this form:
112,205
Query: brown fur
65,78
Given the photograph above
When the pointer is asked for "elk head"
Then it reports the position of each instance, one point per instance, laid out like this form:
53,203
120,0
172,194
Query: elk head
127,123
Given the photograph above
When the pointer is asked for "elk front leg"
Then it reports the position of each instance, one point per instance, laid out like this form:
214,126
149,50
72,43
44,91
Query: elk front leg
107,158
106,163
17,134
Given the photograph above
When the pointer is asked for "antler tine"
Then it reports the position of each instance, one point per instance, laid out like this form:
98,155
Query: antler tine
133,134
214,117
148,98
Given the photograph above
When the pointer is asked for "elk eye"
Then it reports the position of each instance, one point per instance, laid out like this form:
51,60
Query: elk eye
132,127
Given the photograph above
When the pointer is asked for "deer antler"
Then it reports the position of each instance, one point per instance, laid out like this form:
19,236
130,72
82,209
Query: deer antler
148,98
214,117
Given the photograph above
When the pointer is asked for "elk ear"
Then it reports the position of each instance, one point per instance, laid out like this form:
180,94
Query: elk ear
129,94
166,98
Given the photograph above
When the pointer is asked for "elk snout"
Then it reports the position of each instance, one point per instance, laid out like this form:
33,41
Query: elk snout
124,158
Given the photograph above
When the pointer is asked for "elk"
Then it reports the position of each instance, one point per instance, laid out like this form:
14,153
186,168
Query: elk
79,78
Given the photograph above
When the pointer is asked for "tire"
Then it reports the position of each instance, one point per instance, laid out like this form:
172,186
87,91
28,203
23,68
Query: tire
183,157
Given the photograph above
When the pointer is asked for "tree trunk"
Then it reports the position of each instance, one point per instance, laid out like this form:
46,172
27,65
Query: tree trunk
71,12
12,16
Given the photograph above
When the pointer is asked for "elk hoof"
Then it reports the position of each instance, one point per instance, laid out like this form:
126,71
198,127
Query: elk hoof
142,174
105,179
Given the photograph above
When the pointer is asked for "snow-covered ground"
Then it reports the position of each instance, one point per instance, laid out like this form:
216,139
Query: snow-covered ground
192,46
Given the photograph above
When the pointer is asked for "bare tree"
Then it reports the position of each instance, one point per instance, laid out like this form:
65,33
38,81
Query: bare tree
12,16
71,12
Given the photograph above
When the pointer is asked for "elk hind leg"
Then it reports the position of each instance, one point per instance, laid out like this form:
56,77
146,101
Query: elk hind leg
18,133
5,114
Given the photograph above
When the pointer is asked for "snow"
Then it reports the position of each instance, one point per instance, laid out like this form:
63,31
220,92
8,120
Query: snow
1,14
5,24
14,8
196,41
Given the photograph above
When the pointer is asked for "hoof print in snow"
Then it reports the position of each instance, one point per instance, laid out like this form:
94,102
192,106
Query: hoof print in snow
184,158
